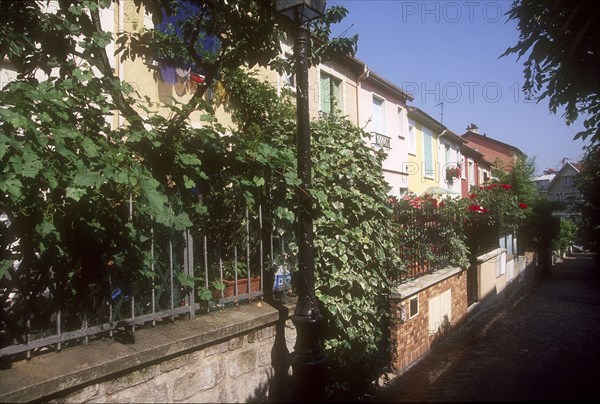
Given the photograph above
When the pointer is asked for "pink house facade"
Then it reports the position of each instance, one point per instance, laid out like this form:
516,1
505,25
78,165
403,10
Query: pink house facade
382,111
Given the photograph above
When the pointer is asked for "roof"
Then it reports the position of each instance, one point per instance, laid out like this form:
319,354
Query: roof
545,177
387,84
356,62
576,166
471,134
470,151
447,133
423,117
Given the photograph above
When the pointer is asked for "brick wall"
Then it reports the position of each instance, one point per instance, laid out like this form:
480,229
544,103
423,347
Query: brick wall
411,336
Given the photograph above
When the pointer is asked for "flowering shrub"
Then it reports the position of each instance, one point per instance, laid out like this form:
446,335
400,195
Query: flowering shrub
433,231
453,172
495,204
430,236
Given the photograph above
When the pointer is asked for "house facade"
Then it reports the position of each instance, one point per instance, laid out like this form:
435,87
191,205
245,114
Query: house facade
451,162
501,155
423,167
562,188
382,111
542,182
470,169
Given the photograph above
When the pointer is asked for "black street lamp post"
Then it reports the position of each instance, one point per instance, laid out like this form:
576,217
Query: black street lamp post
308,359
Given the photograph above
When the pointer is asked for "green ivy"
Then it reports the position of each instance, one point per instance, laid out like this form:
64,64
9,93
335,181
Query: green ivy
356,255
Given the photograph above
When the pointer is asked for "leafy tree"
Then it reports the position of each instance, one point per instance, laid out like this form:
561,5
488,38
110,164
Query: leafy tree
520,178
566,236
80,195
355,240
588,183
560,39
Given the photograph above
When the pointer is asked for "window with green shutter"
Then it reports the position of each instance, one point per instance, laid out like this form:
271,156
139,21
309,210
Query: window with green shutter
330,93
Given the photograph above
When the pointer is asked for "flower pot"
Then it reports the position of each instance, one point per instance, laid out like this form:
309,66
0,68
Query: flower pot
242,286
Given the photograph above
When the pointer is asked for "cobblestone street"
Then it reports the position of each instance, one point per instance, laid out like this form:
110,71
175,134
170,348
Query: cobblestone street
541,344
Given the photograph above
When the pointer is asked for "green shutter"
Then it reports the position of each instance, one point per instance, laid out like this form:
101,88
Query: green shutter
428,152
335,94
325,93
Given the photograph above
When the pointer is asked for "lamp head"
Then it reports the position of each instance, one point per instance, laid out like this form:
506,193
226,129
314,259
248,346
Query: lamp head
301,11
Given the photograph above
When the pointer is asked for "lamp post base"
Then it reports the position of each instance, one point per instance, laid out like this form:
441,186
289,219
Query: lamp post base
308,360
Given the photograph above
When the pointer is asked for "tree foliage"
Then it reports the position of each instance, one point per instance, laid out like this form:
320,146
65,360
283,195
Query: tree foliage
520,177
561,40
356,252
80,193
354,238
588,183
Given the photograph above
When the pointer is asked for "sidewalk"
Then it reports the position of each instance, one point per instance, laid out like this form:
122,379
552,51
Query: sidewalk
543,344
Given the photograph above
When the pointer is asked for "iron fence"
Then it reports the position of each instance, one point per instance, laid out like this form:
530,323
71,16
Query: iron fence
190,273
425,241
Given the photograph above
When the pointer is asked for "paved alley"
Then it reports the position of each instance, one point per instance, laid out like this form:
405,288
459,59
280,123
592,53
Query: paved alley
543,344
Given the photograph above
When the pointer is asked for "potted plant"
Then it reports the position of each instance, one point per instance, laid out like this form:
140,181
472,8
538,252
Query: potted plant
453,173
236,281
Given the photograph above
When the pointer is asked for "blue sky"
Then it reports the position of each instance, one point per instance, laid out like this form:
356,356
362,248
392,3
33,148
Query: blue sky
449,51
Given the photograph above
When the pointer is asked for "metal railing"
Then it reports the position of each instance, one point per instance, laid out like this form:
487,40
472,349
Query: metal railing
380,140
424,242
191,272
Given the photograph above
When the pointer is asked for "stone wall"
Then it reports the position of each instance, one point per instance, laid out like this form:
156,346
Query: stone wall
237,355
499,275
442,306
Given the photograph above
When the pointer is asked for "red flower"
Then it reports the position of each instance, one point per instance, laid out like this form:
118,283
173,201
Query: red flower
472,196
506,186
442,204
523,205
492,186
478,209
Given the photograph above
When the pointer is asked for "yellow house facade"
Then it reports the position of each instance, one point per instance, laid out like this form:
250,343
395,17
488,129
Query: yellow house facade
422,166
332,84
146,76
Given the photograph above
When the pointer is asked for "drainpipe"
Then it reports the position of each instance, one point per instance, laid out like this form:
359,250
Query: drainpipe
364,75
121,68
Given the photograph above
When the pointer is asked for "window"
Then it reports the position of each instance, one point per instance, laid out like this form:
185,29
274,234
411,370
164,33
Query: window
412,138
428,153
471,172
447,155
378,121
401,123
378,124
413,306
568,180
403,192
289,79
501,265
330,93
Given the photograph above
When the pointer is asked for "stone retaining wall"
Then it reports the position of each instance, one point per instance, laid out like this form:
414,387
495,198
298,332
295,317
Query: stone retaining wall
228,356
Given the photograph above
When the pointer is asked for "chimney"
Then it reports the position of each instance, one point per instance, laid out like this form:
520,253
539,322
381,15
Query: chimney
473,128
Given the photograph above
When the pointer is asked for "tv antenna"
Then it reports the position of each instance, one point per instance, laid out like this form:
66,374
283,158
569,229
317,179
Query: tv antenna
563,161
442,113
